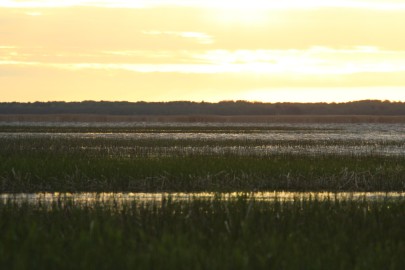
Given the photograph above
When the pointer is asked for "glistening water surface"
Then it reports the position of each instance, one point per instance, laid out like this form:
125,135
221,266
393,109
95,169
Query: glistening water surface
88,198
240,139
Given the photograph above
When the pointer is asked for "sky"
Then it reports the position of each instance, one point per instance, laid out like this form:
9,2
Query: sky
202,50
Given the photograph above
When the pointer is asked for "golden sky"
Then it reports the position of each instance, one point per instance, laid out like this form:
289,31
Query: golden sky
211,50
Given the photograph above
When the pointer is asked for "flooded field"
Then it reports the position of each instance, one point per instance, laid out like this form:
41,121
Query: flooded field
200,157
239,139
214,196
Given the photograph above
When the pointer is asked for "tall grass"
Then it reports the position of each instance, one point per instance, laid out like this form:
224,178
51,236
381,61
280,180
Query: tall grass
153,165
76,172
239,233
200,234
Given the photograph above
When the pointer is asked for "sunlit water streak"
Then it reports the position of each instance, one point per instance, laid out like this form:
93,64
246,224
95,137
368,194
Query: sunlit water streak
92,198
280,132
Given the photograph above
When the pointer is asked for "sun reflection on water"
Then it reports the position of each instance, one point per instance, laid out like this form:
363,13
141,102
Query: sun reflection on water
121,198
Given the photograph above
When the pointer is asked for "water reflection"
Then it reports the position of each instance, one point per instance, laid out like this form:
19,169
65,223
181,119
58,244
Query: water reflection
263,136
303,139
88,198
243,131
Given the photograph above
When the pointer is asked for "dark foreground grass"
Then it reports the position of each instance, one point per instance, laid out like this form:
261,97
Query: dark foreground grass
202,234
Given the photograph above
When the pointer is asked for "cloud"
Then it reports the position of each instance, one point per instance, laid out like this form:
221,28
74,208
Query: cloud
199,37
318,61
198,46
33,13
192,28
223,4
30,83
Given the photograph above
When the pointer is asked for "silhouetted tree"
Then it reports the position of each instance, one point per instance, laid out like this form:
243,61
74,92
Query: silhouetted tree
240,107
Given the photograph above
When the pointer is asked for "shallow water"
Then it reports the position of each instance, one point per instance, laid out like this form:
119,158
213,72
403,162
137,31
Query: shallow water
283,131
90,198
313,133
363,139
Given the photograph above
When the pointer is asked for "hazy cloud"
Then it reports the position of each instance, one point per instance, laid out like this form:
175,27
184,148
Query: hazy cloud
194,48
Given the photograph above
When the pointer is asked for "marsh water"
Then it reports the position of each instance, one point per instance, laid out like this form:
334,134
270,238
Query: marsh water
122,198
257,139
206,139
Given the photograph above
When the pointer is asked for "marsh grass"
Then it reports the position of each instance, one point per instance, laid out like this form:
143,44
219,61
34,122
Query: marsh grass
238,233
188,174
150,165
204,234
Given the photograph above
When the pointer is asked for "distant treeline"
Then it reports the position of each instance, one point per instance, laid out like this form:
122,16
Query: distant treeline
364,107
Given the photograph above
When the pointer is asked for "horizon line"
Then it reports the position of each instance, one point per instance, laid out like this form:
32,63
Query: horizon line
203,101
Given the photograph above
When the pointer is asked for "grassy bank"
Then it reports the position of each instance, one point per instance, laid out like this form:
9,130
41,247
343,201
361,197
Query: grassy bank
200,234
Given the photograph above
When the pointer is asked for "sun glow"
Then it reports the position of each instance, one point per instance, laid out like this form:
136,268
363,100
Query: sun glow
324,94
223,4
265,50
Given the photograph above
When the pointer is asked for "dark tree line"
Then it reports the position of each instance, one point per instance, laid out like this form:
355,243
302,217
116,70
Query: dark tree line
364,107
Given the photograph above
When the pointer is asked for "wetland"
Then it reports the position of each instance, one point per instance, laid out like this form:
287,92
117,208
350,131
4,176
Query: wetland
202,195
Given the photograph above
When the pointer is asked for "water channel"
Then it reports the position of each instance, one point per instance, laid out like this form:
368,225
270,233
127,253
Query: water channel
89,198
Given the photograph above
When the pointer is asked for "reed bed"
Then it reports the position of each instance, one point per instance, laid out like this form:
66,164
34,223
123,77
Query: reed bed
236,233
182,165
201,234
